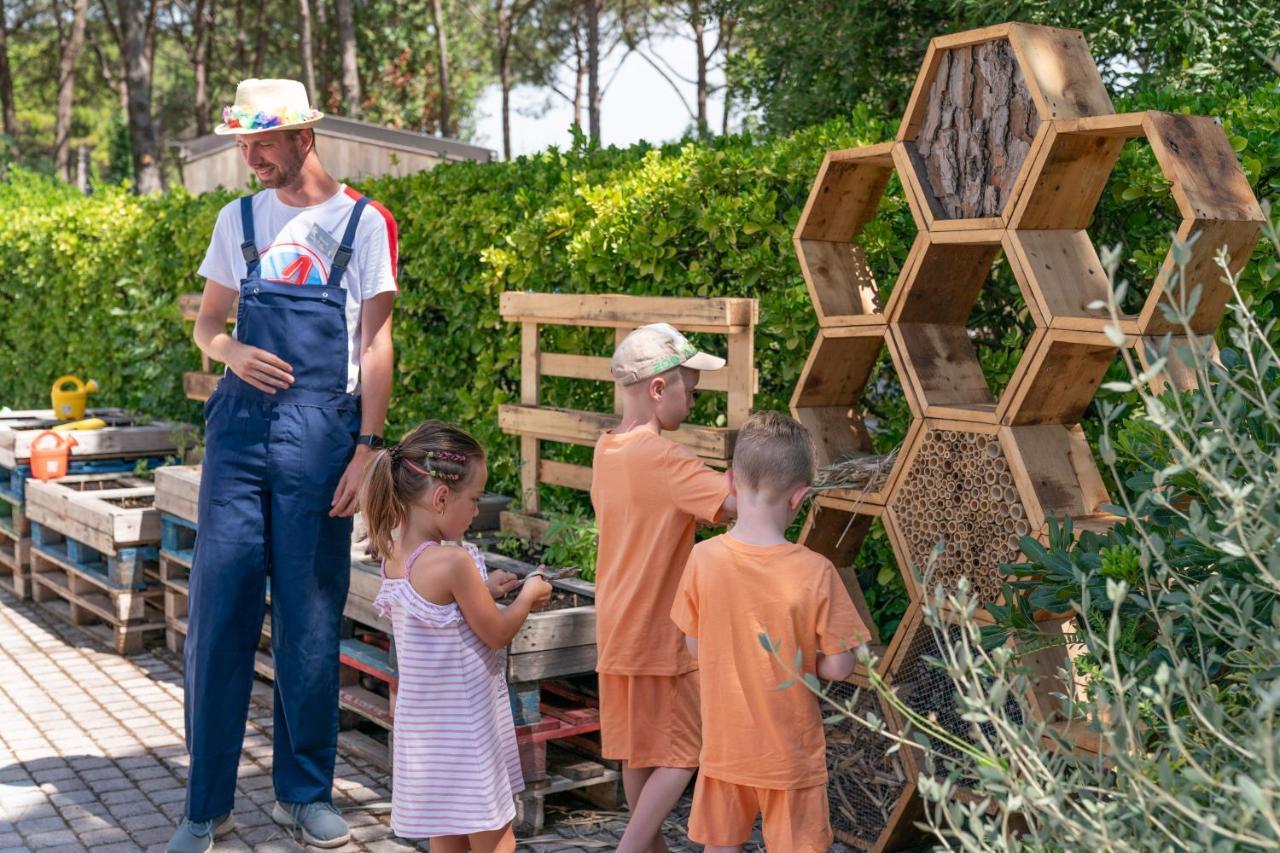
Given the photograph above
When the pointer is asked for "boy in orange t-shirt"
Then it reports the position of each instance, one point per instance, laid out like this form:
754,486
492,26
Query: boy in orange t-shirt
763,749
649,494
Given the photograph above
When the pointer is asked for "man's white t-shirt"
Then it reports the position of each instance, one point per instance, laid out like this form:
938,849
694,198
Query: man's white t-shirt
297,245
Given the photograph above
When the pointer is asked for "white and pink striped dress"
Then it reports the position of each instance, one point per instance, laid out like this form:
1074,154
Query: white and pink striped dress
456,766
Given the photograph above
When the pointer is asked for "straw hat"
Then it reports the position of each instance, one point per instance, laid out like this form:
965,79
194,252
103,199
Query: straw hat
268,105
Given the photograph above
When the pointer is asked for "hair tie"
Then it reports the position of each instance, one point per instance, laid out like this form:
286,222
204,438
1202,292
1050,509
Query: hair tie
394,451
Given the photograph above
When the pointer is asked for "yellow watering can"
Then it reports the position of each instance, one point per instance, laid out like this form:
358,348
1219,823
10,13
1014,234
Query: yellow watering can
68,404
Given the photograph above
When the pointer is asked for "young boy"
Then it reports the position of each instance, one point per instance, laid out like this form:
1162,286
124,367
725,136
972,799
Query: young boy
649,493
763,749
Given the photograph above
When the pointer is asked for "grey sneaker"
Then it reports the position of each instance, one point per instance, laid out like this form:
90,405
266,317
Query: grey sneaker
197,836
321,824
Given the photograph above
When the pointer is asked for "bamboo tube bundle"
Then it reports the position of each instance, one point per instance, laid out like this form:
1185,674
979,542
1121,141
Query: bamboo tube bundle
865,782
959,491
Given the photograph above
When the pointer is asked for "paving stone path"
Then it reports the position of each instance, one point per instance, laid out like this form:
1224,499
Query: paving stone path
92,758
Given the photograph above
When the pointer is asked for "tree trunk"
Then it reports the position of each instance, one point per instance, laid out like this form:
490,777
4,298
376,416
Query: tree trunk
135,29
593,68
7,107
726,41
322,40
502,17
700,42
350,64
242,38
304,39
442,49
66,91
200,59
260,44
579,62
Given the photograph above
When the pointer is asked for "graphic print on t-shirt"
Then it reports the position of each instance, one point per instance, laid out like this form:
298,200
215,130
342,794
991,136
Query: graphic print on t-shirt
294,263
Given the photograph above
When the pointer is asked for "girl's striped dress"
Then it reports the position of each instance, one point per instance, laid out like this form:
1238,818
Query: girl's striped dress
456,766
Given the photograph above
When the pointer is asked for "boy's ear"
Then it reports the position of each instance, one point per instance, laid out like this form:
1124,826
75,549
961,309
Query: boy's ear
733,485
657,385
798,494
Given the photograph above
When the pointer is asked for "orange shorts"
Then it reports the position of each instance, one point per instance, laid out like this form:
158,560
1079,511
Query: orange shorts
651,720
724,813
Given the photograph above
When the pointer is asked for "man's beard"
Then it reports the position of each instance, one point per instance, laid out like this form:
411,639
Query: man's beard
284,175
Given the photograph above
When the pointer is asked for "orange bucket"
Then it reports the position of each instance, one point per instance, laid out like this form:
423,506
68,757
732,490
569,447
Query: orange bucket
50,454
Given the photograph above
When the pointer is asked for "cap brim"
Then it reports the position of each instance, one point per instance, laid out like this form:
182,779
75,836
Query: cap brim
223,130
704,361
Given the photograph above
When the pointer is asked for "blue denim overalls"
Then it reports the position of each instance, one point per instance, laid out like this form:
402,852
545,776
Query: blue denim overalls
271,466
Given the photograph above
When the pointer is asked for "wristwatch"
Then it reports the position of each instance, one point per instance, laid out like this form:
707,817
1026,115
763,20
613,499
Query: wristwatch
372,441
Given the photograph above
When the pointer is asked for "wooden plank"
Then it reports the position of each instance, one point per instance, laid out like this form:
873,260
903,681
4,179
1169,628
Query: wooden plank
613,310
596,368
564,474
553,663
156,438
739,372
363,746
1063,272
529,388
1053,464
1068,175
577,427
555,629
189,305
1060,71
178,490
525,526
942,366
1196,156
1202,269
199,386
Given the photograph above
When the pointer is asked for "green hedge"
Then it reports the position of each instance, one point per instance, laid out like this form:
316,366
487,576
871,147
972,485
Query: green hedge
90,283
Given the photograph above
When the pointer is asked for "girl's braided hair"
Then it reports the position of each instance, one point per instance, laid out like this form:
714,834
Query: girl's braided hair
431,454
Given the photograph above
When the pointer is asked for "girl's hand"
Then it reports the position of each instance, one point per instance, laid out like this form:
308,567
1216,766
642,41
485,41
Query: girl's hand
536,591
500,583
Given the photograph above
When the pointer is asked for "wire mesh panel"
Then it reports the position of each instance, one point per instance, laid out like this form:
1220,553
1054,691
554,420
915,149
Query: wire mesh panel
926,688
865,784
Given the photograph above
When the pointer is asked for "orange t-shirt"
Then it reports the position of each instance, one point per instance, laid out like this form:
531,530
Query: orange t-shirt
752,732
648,493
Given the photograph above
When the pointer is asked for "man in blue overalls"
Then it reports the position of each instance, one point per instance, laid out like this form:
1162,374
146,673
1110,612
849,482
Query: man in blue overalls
289,432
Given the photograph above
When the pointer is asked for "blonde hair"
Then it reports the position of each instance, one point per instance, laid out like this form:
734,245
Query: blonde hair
773,453
431,454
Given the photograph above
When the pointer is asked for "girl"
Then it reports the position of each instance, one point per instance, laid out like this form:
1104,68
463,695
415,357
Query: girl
456,768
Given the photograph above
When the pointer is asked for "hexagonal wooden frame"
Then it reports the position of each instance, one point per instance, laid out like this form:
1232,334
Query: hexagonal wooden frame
1063,82
828,393
845,196
1071,169
1052,474
928,312
1057,377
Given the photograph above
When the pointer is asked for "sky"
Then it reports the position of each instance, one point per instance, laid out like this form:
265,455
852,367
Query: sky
639,104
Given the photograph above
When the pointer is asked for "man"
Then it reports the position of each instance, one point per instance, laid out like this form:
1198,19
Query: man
289,433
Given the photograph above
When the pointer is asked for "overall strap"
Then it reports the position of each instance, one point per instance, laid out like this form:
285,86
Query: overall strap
248,248
408,564
346,248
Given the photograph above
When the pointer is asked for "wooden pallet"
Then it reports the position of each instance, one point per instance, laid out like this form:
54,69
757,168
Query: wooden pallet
567,772
535,422
367,679
15,563
178,491
123,616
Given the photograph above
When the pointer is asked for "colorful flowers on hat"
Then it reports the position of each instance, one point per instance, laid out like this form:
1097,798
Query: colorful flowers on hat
233,116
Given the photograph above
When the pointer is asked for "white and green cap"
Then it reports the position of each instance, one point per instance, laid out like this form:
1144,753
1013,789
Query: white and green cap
654,349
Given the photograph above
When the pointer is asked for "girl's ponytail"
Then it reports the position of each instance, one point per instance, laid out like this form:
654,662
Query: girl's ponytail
381,505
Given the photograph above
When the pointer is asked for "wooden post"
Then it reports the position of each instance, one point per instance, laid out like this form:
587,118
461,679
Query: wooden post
530,451
741,375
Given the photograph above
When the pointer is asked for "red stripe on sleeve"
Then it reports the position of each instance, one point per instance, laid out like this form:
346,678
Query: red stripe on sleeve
393,234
